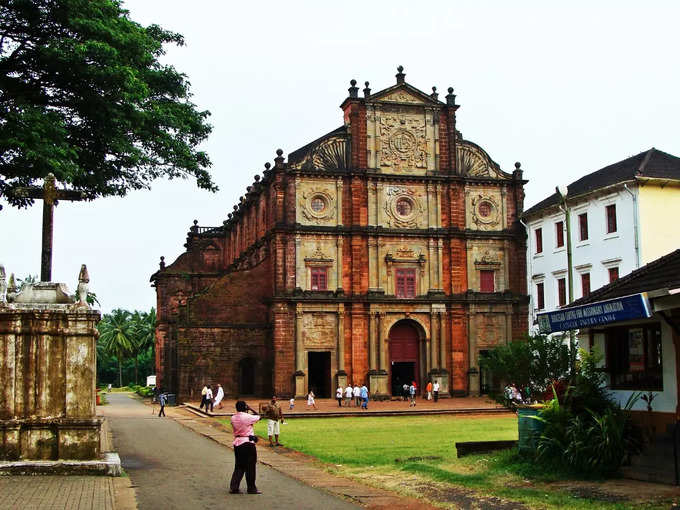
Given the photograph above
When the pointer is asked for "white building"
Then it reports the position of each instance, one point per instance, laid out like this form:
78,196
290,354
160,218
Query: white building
620,217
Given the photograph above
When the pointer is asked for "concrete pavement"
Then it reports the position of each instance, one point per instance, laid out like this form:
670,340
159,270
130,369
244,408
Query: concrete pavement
174,468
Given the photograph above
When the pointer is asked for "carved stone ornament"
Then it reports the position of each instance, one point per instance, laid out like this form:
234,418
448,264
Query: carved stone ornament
328,154
488,259
405,253
485,211
403,142
401,96
317,204
474,162
318,258
403,207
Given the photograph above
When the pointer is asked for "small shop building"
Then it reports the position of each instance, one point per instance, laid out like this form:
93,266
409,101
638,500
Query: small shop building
635,323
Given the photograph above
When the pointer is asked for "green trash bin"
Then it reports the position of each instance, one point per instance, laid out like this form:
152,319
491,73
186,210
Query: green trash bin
529,428
172,399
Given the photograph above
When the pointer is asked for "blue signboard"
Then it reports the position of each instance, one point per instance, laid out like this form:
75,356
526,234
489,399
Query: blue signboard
624,308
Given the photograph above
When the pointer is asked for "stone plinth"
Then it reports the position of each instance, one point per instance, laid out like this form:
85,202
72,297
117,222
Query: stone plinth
48,373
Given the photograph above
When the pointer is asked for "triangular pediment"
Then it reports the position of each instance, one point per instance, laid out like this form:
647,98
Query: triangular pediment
403,93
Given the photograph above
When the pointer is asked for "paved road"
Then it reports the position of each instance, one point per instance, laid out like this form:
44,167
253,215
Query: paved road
174,468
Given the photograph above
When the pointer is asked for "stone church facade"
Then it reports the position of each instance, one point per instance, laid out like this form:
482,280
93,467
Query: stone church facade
385,251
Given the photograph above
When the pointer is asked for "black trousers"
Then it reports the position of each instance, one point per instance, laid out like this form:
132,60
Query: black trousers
436,396
162,411
246,458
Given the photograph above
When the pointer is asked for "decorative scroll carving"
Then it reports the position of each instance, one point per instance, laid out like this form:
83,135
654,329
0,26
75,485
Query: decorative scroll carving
403,207
403,141
474,162
327,154
488,259
485,212
318,204
405,253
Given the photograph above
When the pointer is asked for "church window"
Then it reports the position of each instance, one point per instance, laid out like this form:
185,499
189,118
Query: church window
540,297
404,207
583,226
611,218
405,283
561,291
613,274
559,234
539,240
318,204
319,278
486,280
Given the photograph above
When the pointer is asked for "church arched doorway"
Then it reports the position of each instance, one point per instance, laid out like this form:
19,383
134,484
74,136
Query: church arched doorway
246,376
404,341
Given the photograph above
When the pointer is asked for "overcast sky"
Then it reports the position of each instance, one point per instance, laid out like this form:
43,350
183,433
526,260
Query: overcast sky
564,90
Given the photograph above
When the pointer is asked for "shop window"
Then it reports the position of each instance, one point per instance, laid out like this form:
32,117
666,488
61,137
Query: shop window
319,278
559,234
634,358
613,274
561,291
486,280
405,283
611,218
585,284
583,227
540,296
539,240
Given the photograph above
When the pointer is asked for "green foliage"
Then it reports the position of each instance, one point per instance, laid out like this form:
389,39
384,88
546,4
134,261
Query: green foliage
531,364
127,338
84,96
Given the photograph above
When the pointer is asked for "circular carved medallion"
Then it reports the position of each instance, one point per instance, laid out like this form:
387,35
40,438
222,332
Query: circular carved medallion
318,204
403,141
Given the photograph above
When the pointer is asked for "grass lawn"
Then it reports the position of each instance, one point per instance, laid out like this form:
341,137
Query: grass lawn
416,456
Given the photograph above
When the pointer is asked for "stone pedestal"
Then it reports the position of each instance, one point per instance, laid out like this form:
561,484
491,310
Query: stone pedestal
442,376
342,379
300,391
377,385
48,356
473,382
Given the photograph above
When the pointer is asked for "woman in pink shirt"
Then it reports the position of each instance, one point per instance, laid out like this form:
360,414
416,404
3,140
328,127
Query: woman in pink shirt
245,451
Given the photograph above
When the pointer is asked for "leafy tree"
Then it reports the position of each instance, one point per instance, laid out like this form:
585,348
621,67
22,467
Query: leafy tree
143,335
532,365
84,96
115,334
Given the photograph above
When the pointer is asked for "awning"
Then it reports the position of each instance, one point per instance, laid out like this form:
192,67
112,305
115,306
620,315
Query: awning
635,306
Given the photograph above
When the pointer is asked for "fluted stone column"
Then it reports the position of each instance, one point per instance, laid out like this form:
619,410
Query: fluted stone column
434,327
372,344
382,343
341,375
299,355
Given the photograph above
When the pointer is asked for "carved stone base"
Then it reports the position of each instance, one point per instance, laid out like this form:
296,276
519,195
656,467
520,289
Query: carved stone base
342,378
442,376
300,385
377,382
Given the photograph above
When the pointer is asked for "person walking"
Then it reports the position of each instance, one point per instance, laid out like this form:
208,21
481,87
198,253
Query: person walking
357,395
204,392
209,400
364,397
219,396
412,393
338,396
348,395
310,401
162,399
428,389
245,452
404,391
274,419
435,390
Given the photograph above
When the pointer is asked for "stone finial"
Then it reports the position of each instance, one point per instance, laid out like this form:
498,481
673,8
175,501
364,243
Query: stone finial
353,89
518,165
367,90
517,174
267,165
229,215
236,208
248,188
161,264
194,227
83,286
451,97
11,284
434,94
3,285
257,178
400,74
278,160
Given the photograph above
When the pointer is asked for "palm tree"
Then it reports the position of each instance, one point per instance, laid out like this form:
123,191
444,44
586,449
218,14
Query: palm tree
115,333
144,334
